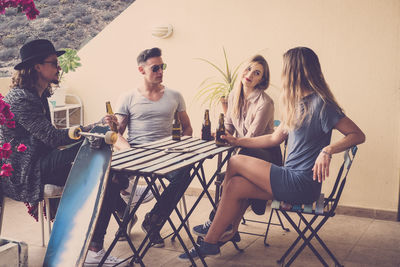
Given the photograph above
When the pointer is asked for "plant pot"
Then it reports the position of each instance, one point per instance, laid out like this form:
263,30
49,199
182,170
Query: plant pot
224,104
58,97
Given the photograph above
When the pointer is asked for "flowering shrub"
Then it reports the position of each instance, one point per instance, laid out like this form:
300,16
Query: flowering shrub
26,6
6,117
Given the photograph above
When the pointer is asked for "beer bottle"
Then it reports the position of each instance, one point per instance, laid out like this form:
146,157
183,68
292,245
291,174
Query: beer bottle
220,131
110,112
176,127
206,128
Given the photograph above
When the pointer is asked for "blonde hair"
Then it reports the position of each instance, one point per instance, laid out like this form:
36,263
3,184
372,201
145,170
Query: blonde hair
262,85
302,74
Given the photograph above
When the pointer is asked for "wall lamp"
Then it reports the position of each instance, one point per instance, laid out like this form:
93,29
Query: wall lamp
162,31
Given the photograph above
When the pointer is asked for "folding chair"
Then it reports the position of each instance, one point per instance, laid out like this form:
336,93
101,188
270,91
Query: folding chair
324,208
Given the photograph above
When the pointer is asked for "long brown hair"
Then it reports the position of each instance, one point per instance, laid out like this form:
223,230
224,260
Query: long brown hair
301,74
27,78
262,85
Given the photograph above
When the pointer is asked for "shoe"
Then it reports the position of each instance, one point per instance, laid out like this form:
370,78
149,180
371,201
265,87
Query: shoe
152,225
138,193
205,250
93,259
202,229
236,238
131,223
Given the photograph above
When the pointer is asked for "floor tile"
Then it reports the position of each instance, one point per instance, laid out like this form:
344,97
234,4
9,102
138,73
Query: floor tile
355,241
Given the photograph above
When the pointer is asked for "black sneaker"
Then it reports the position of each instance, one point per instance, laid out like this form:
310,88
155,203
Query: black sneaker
206,250
152,225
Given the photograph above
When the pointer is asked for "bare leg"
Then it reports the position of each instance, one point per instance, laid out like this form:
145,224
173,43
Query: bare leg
236,221
230,206
255,170
246,177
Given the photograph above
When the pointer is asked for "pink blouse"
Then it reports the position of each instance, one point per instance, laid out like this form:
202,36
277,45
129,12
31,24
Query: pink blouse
256,116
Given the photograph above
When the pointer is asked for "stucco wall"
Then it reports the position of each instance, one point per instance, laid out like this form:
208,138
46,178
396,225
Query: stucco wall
357,42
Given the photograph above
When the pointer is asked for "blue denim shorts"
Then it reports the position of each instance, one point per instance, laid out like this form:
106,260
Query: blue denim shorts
294,186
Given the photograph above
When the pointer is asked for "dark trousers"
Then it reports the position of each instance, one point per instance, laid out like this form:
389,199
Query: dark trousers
55,168
179,182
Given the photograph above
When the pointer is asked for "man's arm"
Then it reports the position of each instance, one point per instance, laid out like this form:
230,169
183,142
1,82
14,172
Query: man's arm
122,122
185,121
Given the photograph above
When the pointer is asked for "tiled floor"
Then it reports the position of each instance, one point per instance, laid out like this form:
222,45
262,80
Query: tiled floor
355,241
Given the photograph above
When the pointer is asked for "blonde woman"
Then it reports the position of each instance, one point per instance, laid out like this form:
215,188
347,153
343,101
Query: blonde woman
250,113
310,114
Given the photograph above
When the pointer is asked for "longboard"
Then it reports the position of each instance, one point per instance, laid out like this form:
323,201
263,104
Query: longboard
80,204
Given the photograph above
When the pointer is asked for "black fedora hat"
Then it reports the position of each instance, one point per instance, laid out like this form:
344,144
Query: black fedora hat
35,49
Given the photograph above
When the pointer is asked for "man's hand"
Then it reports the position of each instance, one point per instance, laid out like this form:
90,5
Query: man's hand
321,166
112,121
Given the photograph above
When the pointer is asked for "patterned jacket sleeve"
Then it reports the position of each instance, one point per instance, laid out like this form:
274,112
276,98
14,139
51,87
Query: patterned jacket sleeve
30,114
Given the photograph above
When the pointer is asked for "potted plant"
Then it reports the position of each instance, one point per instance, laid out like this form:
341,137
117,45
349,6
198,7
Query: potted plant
69,61
213,90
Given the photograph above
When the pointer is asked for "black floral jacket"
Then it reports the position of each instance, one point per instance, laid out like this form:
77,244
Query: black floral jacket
34,129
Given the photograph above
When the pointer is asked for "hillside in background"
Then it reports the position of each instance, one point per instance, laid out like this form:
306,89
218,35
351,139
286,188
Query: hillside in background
67,23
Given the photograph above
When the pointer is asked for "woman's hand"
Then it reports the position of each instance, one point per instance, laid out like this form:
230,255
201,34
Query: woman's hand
321,166
230,139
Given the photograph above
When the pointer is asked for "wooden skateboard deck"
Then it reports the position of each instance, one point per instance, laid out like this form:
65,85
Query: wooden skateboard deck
80,205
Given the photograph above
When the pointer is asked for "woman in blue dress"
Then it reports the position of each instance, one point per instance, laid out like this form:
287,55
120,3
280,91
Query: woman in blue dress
310,113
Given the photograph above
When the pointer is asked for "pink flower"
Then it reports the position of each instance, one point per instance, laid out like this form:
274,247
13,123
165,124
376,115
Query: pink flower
21,148
6,111
2,119
6,151
6,146
6,170
11,124
26,6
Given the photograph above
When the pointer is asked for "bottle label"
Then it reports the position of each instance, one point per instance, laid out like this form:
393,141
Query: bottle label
176,134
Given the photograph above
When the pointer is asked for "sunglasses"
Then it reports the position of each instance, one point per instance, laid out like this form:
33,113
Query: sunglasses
54,63
156,68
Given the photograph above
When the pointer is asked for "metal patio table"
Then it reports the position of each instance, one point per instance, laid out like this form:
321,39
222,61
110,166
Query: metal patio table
152,162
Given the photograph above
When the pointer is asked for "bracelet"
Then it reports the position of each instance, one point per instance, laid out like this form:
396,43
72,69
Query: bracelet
329,154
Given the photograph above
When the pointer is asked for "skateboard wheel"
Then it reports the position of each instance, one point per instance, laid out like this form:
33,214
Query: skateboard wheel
111,137
74,132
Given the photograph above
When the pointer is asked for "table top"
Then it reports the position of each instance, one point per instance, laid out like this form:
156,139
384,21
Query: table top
166,155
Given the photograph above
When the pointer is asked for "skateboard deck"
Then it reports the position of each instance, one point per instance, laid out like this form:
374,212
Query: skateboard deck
80,204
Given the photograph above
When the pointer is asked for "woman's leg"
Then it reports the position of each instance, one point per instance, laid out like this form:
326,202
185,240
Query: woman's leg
255,170
231,205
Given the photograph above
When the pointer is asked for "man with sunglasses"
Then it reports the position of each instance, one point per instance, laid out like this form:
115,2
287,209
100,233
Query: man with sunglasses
148,111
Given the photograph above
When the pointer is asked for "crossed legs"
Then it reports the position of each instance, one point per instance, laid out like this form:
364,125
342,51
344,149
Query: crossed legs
246,177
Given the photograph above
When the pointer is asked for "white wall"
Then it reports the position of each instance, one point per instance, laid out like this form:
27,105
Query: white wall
357,41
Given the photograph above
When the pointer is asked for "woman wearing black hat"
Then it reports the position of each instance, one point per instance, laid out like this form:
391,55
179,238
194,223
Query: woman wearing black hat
42,163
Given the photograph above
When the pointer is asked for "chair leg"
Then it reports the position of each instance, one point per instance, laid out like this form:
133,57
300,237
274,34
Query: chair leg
41,218
266,231
2,205
47,202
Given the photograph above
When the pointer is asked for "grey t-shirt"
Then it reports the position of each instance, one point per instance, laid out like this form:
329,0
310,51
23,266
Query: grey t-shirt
306,142
149,120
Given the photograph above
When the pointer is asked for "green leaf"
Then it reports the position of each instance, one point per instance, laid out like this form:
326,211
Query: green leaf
69,61
212,89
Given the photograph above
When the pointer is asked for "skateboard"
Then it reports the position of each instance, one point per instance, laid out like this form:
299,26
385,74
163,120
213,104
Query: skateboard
81,201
